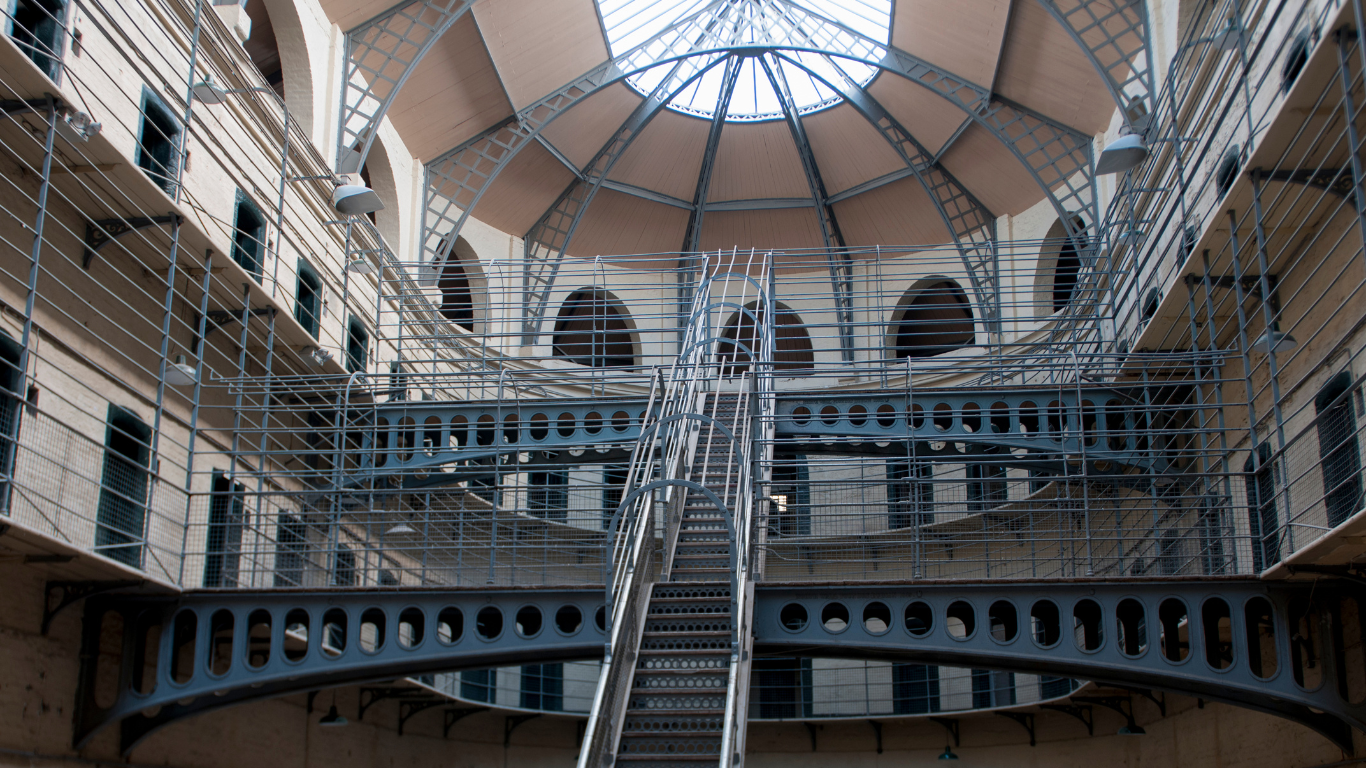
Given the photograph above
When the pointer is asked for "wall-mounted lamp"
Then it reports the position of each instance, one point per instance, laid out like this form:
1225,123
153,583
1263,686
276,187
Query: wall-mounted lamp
318,356
402,529
360,266
333,718
77,127
180,373
356,199
1122,154
1274,339
1230,38
948,753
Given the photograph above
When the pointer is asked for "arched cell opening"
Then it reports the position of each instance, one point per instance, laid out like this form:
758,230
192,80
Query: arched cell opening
593,329
278,48
931,320
1055,282
457,302
792,344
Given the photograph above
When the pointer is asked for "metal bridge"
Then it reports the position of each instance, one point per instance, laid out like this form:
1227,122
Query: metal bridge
1277,647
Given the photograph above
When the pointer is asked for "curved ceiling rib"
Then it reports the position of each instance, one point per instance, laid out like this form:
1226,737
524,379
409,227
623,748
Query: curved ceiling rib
546,242
1114,35
971,224
1057,156
841,269
380,56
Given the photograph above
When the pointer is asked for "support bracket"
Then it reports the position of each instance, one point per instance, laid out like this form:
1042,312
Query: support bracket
951,725
1082,712
58,595
221,317
406,709
372,696
877,733
811,731
1124,705
1335,180
510,724
455,715
105,231
1026,721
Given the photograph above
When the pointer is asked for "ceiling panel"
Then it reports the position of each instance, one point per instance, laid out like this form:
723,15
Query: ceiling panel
900,213
764,230
452,95
1044,69
583,130
848,150
930,118
540,45
991,172
523,191
757,160
667,156
624,224
962,36
349,14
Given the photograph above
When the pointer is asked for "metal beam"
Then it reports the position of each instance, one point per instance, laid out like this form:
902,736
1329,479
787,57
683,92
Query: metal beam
692,238
971,224
381,55
840,265
1114,36
1117,640
548,239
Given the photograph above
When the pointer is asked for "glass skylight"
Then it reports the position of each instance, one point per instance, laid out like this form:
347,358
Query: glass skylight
629,23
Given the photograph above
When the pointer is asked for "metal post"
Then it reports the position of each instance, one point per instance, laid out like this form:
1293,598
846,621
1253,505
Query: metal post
265,419
168,304
194,410
280,209
1358,195
35,256
189,100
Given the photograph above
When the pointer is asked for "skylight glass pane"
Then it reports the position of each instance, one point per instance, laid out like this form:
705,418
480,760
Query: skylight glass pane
631,24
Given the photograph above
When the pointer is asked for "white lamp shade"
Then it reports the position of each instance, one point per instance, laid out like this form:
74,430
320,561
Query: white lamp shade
180,373
360,266
209,92
1123,153
353,199
1274,339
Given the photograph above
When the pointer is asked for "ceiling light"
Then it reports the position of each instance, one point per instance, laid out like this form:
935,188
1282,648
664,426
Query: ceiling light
354,199
1275,339
180,374
402,529
208,92
1129,237
360,266
333,718
948,754
1131,730
1122,154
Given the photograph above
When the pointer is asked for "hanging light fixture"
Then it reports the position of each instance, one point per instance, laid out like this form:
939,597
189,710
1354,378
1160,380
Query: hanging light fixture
333,718
360,266
401,529
354,199
948,753
1133,729
318,357
1230,38
1122,154
206,91
1274,339
180,373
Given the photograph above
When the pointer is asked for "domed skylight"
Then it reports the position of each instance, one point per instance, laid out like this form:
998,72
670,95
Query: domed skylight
630,23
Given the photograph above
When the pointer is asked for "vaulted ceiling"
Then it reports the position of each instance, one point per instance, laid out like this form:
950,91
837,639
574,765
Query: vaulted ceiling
506,54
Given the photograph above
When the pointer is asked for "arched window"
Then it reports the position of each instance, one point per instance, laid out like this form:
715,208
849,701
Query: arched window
592,330
792,343
1059,265
457,303
932,321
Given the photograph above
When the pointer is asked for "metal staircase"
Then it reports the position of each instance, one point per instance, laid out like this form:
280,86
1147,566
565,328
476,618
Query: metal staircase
674,686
